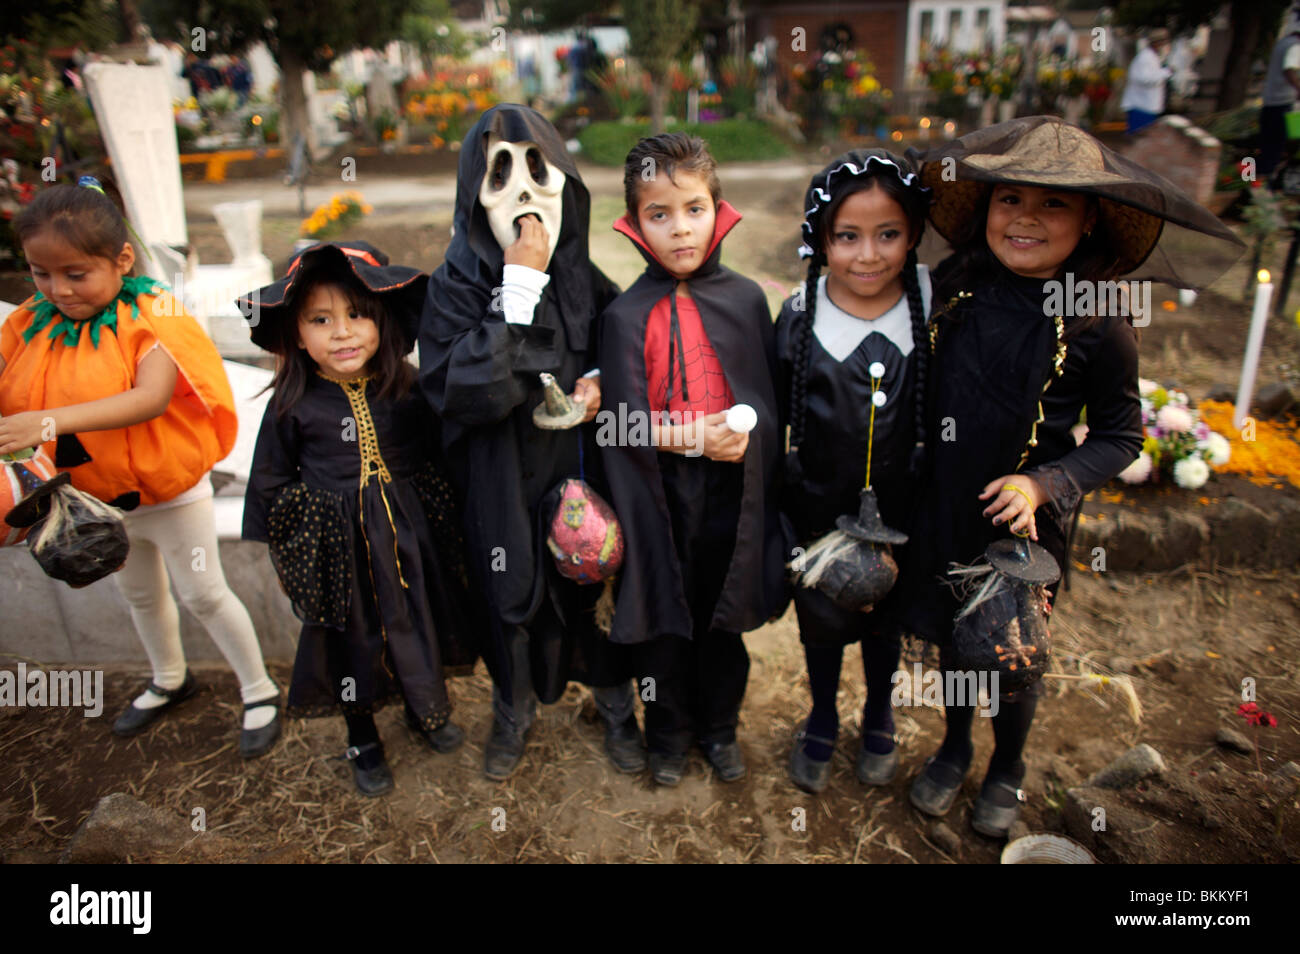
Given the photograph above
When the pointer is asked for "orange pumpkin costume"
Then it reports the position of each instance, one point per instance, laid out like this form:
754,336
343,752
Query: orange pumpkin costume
50,367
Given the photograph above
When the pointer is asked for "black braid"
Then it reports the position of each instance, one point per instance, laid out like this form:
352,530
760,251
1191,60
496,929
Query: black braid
801,341
921,348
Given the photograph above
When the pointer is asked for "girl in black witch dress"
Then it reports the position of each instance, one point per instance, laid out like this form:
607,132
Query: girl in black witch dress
344,489
1035,206
848,347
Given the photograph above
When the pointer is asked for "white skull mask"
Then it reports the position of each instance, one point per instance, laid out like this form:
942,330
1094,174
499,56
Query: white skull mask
519,180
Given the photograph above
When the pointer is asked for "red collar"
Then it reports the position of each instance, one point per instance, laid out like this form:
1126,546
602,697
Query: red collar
724,222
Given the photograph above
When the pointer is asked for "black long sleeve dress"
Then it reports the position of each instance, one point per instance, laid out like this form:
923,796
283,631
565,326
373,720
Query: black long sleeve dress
993,353
364,536
833,452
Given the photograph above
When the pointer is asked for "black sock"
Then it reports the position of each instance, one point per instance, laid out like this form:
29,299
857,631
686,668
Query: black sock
879,662
362,731
824,684
957,748
1010,732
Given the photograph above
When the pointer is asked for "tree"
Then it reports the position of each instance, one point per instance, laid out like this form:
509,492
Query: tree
89,24
431,28
300,35
657,30
1254,25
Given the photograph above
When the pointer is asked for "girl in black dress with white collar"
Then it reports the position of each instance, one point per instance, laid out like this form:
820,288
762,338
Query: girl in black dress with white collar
853,354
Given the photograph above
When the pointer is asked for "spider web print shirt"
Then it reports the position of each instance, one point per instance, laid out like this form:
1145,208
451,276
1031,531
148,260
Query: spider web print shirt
692,381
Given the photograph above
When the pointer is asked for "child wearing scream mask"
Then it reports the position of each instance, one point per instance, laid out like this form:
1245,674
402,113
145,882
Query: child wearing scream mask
687,342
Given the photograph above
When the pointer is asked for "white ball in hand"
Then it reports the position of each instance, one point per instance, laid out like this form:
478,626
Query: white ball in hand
741,418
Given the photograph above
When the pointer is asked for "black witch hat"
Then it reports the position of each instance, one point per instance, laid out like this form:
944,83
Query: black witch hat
401,287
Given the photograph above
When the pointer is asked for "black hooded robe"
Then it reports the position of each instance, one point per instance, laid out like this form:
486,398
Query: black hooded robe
480,374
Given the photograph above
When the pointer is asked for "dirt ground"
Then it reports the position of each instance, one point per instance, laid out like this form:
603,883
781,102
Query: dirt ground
1184,639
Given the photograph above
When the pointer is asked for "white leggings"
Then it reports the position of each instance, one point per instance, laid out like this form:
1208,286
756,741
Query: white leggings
182,542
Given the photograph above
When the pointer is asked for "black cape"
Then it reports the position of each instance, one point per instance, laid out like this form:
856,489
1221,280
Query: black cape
734,312
480,374
343,553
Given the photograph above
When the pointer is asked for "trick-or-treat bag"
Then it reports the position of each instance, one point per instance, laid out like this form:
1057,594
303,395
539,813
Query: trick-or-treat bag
585,537
75,537
1002,625
586,541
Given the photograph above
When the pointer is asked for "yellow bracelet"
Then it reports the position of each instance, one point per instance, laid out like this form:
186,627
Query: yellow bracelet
1023,493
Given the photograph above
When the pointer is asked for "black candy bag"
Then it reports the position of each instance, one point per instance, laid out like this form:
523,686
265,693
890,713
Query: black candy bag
75,537
1002,625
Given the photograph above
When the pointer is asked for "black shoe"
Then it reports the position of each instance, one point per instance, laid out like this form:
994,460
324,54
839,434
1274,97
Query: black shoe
726,759
446,738
997,808
810,774
503,752
625,747
134,720
667,769
873,768
937,787
255,742
369,770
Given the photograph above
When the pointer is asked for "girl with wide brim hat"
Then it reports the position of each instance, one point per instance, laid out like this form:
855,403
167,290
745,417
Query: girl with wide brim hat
402,288
1151,223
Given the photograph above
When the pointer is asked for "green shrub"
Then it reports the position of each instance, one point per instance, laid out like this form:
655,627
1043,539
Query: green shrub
730,140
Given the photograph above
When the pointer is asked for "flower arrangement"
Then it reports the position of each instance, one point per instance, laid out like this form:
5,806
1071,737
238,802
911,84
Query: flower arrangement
335,216
1178,445
843,90
1273,454
448,111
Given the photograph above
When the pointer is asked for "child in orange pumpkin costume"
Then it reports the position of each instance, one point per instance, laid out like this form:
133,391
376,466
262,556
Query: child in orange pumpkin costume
124,391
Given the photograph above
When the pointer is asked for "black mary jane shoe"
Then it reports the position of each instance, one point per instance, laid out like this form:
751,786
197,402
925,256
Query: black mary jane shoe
625,747
997,808
872,768
503,752
726,759
255,742
446,738
374,780
667,768
810,774
135,720
937,787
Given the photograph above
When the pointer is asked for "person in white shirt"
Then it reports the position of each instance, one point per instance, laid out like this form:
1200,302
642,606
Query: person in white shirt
1144,92
1281,83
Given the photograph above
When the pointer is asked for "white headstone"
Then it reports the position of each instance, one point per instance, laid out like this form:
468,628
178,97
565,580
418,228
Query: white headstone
134,108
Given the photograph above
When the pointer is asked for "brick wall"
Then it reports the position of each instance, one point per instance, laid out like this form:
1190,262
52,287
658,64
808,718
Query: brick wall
1184,154
879,30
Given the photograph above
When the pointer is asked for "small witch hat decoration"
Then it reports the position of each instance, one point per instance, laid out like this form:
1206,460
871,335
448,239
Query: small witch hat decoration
853,564
558,412
35,502
1002,624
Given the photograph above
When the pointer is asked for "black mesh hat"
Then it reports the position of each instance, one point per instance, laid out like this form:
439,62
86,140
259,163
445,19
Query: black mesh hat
1159,232
401,287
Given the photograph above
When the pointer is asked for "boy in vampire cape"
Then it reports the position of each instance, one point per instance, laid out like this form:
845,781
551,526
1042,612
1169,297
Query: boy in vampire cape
517,296
696,499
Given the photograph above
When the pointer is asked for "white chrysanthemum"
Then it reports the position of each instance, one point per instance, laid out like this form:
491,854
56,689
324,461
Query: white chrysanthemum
1219,448
1146,387
1191,473
1138,471
1174,419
